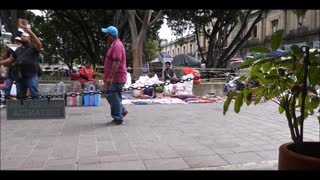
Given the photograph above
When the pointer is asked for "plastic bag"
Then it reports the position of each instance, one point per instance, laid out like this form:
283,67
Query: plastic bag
13,91
128,82
188,84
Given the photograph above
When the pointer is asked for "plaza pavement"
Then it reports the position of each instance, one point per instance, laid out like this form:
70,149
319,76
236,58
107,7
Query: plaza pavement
155,137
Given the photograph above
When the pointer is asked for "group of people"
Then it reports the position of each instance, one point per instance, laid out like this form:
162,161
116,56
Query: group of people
24,63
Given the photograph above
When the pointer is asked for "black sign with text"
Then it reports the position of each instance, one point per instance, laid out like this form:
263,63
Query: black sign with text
35,109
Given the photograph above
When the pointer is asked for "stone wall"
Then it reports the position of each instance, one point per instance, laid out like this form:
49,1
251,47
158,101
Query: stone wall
204,88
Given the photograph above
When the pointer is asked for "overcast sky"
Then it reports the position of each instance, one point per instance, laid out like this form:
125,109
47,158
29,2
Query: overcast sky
165,32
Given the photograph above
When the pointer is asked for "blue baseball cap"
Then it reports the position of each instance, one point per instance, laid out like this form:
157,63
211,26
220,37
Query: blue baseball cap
111,30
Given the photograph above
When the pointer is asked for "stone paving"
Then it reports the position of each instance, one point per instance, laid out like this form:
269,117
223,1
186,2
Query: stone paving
155,137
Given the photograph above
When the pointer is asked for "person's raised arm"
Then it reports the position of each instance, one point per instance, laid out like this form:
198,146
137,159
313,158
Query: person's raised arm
37,42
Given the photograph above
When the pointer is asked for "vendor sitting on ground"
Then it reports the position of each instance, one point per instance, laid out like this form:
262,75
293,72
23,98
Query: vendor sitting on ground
87,74
169,74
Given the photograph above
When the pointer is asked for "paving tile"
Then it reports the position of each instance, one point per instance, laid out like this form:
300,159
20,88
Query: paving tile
112,158
241,158
205,161
269,155
55,162
61,167
166,164
123,165
87,159
149,156
12,163
33,163
149,136
89,167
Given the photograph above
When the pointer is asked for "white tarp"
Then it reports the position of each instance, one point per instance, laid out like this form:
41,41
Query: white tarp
145,80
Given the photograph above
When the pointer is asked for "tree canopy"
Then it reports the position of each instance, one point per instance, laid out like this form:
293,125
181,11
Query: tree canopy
217,26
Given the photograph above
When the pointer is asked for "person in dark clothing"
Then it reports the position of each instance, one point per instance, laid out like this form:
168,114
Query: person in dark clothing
27,59
169,74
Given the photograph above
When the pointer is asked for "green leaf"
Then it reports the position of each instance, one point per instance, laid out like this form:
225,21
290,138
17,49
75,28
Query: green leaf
307,103
300,101
314,75
314,102
273,72
299,120
318,118
258,90
281,110
284,100
290,82
267,66
271,93
297,51
288,63
296,89
272,77
311,111
259,50
261,78
242,78
227,102
255,69
247,96
282,72
276,39
239,102
249,62
314,59
258,99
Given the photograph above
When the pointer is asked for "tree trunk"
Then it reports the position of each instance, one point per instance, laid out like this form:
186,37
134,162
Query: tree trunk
203,60
137,60
14,22
138,37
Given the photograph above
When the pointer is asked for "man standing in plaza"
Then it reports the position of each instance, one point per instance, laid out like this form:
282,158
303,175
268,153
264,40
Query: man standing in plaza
27,59
115,74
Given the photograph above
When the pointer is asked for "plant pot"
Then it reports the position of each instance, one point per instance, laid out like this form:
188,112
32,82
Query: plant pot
299,160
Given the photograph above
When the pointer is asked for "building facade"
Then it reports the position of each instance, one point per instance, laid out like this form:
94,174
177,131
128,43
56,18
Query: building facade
186,46
302,31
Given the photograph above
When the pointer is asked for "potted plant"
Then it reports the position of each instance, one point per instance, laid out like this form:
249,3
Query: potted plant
291,81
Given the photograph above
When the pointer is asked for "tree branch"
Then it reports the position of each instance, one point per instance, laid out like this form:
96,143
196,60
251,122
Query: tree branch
156,18
244,39
133,26
136,15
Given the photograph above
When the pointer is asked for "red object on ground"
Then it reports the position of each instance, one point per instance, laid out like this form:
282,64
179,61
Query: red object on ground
74,76
195,73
